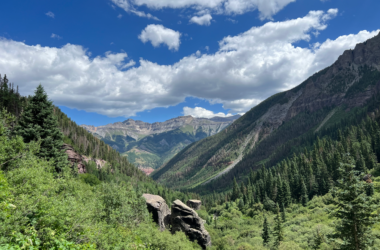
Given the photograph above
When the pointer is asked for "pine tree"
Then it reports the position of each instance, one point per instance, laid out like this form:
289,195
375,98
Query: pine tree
278,229
370,191
353,209
235,191
304,196
38,122
283,213
287,193
265,234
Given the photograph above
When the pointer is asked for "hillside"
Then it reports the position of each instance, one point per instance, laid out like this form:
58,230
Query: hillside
282,125
148,146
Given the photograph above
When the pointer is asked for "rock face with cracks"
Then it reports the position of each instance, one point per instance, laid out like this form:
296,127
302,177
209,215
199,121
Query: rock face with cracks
160,210
185,219
194,204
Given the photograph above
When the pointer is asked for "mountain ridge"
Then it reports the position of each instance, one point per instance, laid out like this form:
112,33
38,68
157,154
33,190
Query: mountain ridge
348,83
149,145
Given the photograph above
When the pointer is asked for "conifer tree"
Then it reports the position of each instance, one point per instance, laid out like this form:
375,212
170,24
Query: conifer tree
354,209
265,234
283,213
287,193
235,191
278,229
304,196
38,122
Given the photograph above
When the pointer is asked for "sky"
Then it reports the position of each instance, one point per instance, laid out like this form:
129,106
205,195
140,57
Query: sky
104,61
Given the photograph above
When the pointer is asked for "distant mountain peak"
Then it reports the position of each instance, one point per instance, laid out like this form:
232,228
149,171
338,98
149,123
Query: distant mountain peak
151,144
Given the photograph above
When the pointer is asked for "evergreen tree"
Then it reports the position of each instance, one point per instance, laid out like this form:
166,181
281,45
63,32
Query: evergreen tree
353,210
304,196
287,193
283,213
235,191
241,204
370,189
38,122
278,229
265,234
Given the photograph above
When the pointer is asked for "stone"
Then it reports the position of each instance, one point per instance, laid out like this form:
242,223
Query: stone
74,158
367,178
185,219
194,204
160,210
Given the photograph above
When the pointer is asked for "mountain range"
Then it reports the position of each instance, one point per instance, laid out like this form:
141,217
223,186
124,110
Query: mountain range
148,145
280,126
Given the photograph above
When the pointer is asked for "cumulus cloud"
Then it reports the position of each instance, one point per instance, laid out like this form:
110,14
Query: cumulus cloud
50,14
202,20
246,69
157,34
266,8
199,112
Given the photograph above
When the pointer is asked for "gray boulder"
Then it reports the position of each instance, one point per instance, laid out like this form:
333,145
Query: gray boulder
185,219
194,204
160,210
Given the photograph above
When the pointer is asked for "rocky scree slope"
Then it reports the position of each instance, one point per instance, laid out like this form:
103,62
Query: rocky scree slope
148,145
265,134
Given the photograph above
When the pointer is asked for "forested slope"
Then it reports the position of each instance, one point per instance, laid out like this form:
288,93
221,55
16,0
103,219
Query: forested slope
283,124
46,204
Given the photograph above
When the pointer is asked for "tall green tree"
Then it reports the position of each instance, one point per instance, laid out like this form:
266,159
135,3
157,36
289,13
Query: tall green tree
278,231
39,123
265,234
235,191
304,196
354,209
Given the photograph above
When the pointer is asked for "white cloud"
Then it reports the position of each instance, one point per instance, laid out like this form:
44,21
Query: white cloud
232,20
55,36
128,65
199,112
120,16
245,70
202,20
128,7
158,34
50,14
267,8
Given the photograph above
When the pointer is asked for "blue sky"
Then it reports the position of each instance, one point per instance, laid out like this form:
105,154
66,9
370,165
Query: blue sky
104,61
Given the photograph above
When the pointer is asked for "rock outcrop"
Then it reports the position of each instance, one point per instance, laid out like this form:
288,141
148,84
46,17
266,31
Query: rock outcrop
79,160
160,210
75,158
194,204
185,219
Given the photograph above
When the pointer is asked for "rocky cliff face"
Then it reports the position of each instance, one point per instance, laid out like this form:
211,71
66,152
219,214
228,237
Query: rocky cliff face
148,145
350,82
78,160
